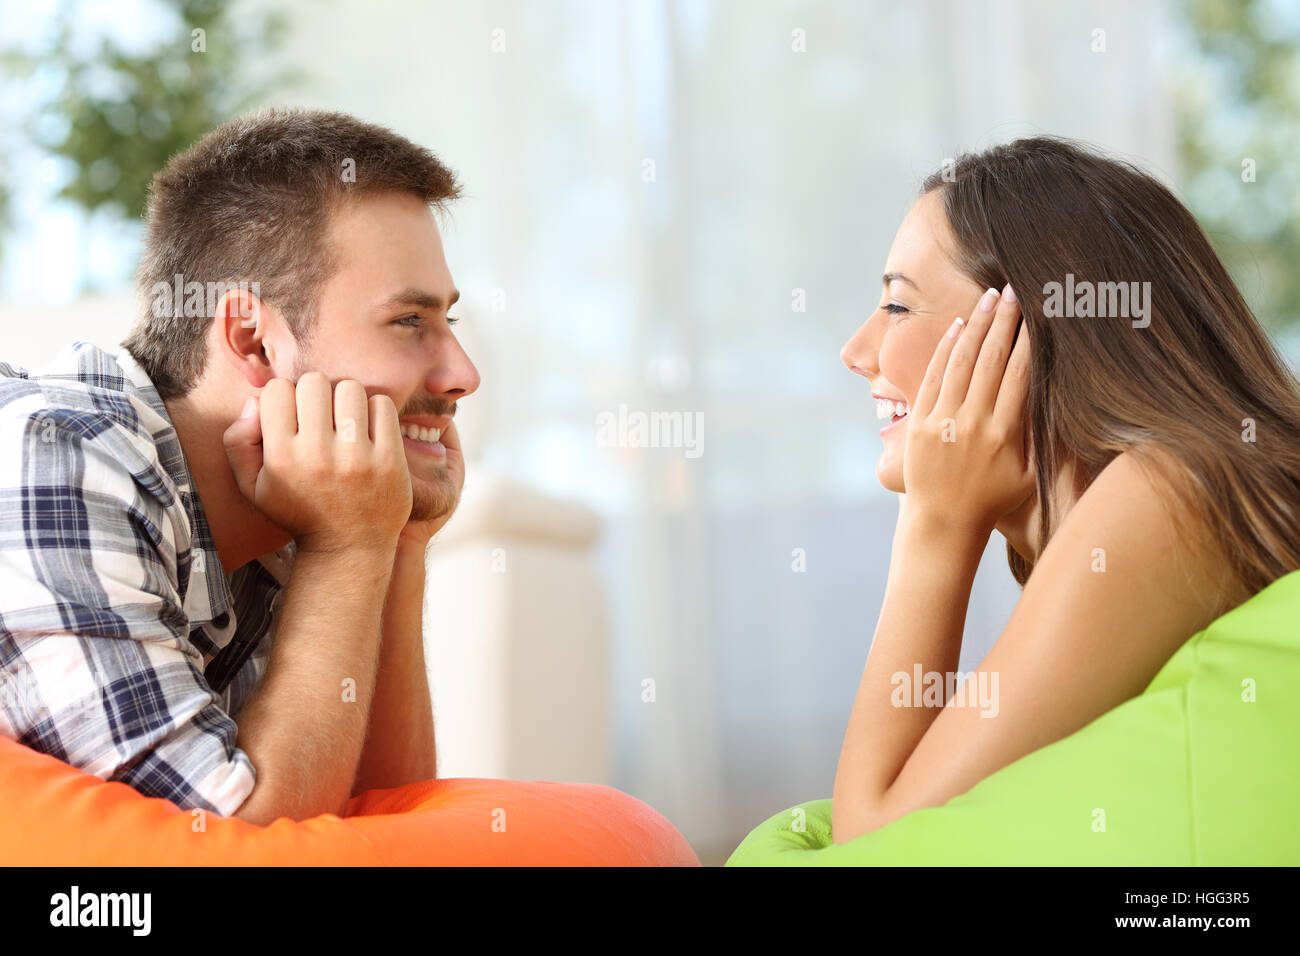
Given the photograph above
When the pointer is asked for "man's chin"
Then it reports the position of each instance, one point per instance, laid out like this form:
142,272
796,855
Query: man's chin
433,498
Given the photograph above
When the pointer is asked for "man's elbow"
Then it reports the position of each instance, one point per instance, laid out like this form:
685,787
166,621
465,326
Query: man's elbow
264,806
259,809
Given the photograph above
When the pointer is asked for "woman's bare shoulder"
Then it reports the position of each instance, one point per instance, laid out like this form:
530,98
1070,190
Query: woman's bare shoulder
1111,599
1142,506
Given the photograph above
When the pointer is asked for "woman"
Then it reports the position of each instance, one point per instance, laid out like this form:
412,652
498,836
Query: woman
1111,406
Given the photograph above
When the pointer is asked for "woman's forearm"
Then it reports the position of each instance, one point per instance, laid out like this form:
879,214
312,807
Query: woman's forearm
920,625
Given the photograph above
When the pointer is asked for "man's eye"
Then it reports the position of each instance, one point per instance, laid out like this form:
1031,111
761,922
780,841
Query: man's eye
414,321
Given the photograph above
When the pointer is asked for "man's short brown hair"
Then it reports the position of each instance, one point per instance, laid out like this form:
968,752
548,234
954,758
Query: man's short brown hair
252,202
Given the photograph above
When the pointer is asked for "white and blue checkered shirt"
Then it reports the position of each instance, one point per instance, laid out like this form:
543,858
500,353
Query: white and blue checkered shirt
125,650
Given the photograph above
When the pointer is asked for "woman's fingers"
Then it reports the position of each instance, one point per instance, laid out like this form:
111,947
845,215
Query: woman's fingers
1014,389
956,381
928,394
991,364
968,365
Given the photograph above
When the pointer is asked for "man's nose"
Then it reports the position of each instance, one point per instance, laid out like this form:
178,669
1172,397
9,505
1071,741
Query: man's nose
456,376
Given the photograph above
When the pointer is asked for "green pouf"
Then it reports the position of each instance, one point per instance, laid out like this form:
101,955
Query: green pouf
1201,769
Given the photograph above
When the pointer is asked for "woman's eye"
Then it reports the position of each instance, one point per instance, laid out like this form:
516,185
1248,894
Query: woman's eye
893,308
452,319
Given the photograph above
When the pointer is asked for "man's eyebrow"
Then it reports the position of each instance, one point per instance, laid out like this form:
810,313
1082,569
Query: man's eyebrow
889,277
419,299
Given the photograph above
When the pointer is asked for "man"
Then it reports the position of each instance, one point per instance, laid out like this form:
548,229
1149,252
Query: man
212,544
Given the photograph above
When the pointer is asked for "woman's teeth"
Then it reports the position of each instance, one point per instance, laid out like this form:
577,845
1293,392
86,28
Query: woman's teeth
885,408
422,434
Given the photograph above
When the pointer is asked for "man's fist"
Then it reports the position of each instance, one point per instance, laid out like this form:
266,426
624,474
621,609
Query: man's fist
326,465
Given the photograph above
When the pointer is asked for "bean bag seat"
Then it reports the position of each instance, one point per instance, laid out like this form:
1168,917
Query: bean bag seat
52,814
1201,769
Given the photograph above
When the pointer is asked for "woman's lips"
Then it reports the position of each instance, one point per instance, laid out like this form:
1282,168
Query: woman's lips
894,423
885,405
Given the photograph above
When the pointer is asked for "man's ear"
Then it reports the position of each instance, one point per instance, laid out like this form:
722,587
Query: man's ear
246,331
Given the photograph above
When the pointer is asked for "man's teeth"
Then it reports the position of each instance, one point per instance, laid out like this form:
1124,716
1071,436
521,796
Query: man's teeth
422,434
886,408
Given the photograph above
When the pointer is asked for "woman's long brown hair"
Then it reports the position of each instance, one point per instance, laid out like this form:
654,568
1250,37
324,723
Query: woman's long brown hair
1200,381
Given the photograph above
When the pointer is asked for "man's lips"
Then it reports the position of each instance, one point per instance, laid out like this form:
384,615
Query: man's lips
425,449
439,422
422,434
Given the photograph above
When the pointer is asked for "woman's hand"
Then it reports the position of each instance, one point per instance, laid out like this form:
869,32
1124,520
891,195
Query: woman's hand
964,461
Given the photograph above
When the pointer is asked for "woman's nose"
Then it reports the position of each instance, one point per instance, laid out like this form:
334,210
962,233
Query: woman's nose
859,352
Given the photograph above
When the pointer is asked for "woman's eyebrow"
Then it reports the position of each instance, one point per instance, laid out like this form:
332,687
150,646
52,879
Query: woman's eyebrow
889,277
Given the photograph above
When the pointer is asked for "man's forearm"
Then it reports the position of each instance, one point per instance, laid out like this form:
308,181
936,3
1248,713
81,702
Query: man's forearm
304,728
399,744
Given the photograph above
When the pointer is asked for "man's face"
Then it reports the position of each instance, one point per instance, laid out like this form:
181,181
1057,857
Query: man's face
382,319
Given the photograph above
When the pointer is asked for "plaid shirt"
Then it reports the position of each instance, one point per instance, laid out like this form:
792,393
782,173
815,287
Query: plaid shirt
125,650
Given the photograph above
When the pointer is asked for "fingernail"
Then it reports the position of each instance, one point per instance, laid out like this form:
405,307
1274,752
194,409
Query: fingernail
987,300
1009,293
956,327
249,407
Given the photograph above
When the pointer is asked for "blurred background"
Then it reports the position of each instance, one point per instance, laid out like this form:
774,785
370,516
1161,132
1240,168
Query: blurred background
678,207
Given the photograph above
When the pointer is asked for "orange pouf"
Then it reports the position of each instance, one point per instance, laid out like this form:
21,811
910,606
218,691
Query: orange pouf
52,814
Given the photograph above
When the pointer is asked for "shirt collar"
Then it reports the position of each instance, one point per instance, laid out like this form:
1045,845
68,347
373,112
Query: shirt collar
208,597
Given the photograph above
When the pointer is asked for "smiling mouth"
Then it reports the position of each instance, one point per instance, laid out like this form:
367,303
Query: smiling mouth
416,433
424,440
893,410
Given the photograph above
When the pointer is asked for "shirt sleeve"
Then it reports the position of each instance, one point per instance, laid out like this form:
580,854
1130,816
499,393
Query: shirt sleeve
96,665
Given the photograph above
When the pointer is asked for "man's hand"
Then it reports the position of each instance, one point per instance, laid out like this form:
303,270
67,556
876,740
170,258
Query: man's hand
326,465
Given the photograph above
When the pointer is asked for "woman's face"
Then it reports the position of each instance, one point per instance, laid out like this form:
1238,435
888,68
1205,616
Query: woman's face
921,293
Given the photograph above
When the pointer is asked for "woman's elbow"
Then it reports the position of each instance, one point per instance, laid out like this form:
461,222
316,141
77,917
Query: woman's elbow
850,822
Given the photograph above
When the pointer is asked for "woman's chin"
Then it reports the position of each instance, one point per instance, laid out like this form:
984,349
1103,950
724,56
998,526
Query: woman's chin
889,473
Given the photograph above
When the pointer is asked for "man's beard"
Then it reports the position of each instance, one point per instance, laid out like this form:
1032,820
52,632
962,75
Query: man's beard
433,498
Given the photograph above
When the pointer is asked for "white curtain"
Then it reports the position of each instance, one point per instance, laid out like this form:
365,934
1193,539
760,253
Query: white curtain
650,184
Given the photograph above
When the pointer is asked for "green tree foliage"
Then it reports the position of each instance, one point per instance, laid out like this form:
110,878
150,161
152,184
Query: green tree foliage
124,114
1238,121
